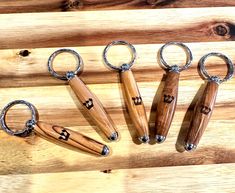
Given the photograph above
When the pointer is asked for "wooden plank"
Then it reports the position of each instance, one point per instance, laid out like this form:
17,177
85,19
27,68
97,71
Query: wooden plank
35,155
80,28
31,70
197,179
20,6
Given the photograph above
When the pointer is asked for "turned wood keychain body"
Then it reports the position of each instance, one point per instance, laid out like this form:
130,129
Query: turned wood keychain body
53,133
133,98
205,105
89,101
168,100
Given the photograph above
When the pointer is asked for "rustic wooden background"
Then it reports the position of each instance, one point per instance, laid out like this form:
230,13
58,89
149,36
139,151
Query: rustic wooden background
34,165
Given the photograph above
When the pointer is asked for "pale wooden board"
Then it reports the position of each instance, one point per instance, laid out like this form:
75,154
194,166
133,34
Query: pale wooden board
18,71
57,104
137,26
196,179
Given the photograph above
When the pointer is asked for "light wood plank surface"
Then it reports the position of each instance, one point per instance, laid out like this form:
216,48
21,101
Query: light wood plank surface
21,6
31,70
196,179
57,104
81,29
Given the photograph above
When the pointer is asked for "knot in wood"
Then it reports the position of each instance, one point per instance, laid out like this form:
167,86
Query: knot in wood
24,53
221,29
107,171
71,4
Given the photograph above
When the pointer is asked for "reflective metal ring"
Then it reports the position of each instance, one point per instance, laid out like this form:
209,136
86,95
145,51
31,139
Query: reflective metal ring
29,126
125,66
216,78
70,73
176,67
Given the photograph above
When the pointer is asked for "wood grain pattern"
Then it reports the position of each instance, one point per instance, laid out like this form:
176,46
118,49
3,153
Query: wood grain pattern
70,139
21,6
199,179
94,108
202,114
47,167
135,105
62,29
166,106
31,70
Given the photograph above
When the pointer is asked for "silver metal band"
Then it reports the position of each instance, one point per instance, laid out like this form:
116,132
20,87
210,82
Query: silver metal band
125,66
69,74
176,68
29,126
216,78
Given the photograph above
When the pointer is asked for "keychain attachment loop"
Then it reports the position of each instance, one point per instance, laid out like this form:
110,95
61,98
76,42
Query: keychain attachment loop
69,74
125,66
30,124
176,68
216,78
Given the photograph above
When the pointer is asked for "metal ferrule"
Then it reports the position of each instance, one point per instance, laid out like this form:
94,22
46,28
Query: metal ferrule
70,75
174,68
215,79
124,67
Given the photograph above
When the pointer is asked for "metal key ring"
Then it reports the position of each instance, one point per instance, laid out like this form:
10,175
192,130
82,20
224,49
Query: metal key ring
69,74
125,66
176,67
29,126
216,78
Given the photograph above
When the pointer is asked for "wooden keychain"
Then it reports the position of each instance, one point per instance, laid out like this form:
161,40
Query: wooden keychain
89,101
52,133
205,105
168,101
132,95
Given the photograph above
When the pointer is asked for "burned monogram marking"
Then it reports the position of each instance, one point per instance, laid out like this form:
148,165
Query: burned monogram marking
89,104
168,98
205,110
137,100
64,135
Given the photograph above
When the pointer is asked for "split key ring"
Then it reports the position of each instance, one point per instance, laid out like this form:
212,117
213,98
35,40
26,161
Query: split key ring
69,74
29,125
125,66
217,79
176,68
